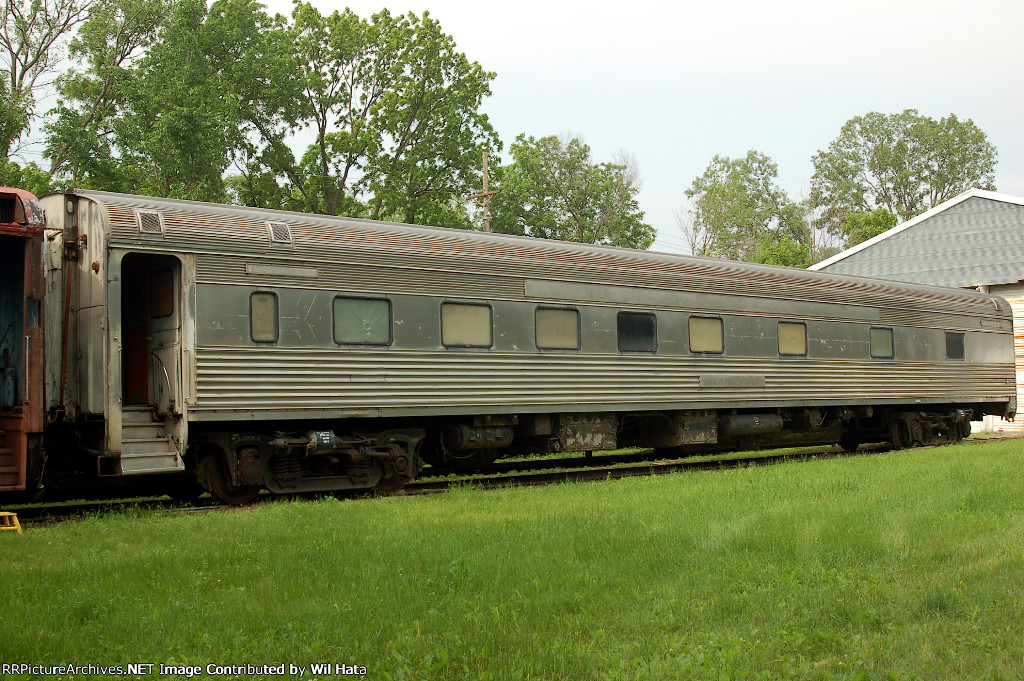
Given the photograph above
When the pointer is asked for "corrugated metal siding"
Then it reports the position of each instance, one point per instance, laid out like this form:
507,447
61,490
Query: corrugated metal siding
979,241
274,381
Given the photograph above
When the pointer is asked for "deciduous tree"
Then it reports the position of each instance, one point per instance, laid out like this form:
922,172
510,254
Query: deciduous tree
554,189
83,138
905,163
738,212
170,93
29,177
433,132
394,110
859,226
32,33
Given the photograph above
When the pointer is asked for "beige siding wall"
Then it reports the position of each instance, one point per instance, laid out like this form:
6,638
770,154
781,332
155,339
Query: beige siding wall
1014,295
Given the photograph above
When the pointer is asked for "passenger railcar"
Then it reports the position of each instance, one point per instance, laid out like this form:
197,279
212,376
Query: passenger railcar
248,349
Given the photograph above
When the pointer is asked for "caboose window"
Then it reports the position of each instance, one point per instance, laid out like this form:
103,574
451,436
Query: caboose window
706,335
466,325
792,338
558,329
954,345
362,321
882,343
638,332
264,326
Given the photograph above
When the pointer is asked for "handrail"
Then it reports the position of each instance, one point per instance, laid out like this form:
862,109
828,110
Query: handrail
26,381
167,380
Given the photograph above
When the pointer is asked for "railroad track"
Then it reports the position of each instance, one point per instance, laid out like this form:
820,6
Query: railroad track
595,470
497,475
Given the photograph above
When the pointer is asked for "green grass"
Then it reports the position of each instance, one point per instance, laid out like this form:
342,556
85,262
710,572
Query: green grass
901,566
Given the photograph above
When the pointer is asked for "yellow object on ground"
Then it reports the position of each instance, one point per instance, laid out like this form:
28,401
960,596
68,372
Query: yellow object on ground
9,521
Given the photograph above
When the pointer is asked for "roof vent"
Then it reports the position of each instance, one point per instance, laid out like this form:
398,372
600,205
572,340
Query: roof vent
150,222
280,232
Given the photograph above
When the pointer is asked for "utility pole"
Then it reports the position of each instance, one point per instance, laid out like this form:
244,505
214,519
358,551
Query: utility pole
484,198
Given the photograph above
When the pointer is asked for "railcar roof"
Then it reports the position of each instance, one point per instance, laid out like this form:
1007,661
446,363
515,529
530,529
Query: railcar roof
524,248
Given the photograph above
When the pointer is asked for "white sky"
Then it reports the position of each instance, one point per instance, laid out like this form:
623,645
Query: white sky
677,82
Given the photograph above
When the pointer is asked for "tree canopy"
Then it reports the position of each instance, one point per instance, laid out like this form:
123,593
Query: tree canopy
170,94
905,163
176,99
554,189
740,213
859,226
32,34
396,113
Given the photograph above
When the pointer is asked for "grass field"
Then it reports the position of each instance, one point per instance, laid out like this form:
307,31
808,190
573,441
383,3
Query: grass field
898,566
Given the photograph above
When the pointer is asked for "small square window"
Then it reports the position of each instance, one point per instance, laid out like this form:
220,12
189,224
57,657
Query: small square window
707,335
954,345
362,321
638,332
792,338
882,346
466,325
263,317
558,329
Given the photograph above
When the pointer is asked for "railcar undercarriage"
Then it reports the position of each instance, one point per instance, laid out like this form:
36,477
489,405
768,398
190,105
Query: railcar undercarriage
235,465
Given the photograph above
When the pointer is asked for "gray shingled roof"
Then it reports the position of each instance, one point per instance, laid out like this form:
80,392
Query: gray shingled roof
976,238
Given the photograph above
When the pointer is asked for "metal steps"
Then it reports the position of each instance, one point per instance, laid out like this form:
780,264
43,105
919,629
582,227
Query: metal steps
145,445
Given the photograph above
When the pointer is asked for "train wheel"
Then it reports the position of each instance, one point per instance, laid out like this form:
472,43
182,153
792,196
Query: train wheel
392,484
849,443
403,468
899,434
216,478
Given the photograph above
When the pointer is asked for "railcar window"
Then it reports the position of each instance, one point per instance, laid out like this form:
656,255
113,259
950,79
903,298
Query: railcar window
362,321
882,343
792,338
264,326
161,293
638,332
466,325
706,335
954,345
558,329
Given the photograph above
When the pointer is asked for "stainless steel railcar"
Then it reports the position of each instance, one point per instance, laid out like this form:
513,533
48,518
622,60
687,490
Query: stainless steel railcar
248,349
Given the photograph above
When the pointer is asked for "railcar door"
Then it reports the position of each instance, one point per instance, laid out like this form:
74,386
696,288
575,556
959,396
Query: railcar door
21,348
152,427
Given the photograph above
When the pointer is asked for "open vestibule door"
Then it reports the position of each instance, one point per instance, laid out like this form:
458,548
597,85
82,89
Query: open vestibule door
21,337
152,406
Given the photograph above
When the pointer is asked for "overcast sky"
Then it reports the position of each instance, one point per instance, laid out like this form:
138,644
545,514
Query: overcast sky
675,83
